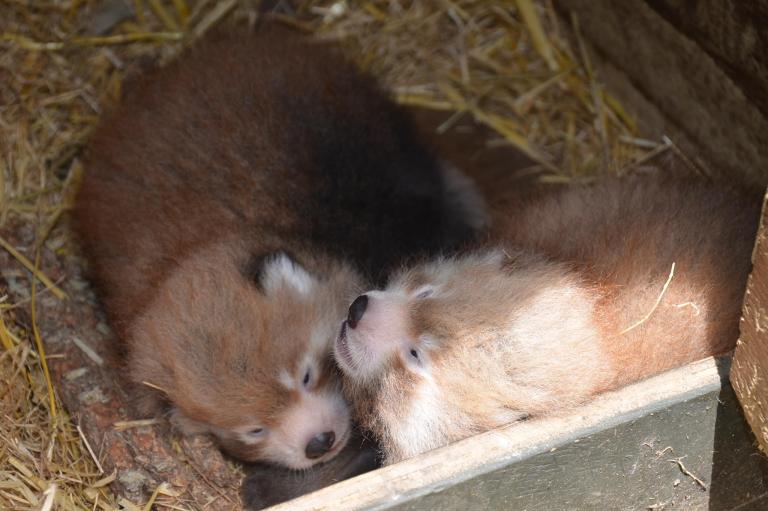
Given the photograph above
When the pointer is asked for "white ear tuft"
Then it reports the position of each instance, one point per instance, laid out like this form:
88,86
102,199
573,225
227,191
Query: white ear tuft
282,270
494,257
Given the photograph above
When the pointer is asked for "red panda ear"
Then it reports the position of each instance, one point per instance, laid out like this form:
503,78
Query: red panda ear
275,269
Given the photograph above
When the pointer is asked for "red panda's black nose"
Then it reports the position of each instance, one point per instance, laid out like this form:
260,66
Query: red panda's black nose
356,310
320,445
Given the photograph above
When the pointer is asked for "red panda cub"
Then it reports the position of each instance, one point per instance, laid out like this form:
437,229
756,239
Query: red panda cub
560,307
233,205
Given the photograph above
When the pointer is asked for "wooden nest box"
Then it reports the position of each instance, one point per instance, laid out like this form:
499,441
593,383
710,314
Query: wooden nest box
698,73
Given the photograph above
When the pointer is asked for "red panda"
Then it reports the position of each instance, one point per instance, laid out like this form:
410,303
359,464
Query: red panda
581,291
233,204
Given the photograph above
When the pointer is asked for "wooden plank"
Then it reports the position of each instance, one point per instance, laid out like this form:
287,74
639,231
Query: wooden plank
750,367
696,93
613,453
698,71
732,32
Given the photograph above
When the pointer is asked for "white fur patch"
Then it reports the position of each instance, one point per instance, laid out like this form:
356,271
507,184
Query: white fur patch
320,340
557,316
286,380
248,439
245,434
311,415
283,271
442,271
555,322
507,416
421,430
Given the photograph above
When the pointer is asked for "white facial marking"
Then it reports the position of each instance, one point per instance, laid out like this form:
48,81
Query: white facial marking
321,338
424,292
287,380
248,435
312,415
283,271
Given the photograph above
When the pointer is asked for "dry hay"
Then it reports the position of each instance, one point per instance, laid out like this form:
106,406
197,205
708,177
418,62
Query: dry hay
506,64
510,69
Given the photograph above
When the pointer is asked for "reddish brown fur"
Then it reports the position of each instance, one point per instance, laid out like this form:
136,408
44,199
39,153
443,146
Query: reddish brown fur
624,235
248,145
542,317
173,167
209,333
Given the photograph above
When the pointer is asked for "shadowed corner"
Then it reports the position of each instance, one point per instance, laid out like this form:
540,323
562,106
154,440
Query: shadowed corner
269,485
739,469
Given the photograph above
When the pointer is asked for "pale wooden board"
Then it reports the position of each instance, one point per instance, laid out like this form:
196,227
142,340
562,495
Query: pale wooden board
750,365
732,32
698,72
522,465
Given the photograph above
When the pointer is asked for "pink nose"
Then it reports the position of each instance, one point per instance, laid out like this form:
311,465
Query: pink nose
356,310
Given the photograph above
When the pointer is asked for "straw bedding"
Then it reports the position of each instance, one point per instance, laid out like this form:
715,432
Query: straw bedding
506,65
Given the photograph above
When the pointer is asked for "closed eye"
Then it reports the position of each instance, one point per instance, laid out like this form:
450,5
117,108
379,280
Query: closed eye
307,378
253,435
424,293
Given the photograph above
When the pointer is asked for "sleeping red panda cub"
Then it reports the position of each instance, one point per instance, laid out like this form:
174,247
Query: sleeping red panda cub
233,205
562,308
